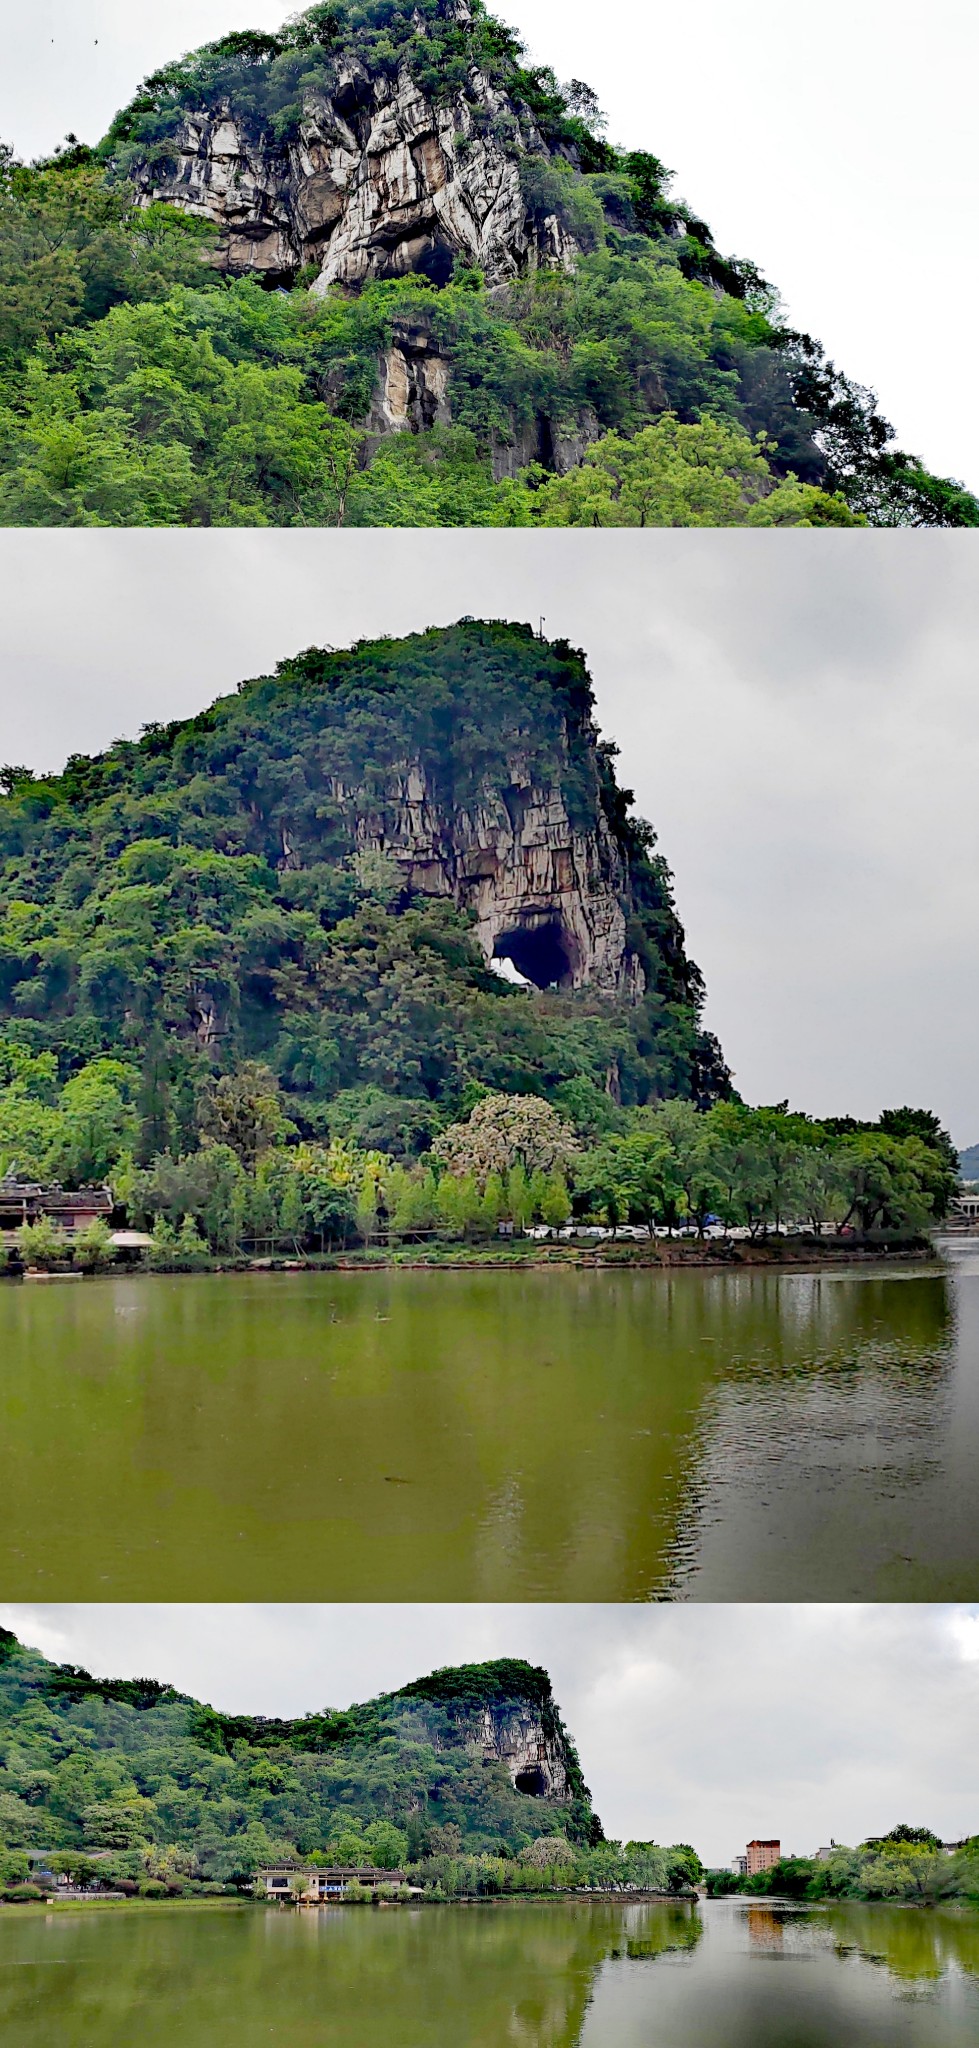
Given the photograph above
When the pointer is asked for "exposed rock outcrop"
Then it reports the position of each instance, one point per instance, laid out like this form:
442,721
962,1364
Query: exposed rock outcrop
414,394
515,1735
378,183
519,1729
547,893
375,178
413,383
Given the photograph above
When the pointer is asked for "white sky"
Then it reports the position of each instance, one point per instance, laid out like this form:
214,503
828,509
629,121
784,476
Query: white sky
797,714
708,1724
834,147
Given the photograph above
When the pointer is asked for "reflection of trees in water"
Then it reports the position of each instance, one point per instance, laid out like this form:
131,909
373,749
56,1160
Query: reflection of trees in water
648,1931
512,1975
836,1323
555,1427
912,1942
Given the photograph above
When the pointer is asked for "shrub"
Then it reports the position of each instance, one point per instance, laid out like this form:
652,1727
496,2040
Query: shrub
551,187
40,1245
93,1248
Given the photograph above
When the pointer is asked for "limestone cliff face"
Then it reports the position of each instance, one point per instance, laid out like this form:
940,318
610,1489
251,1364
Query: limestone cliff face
513,1733
378,183
547,893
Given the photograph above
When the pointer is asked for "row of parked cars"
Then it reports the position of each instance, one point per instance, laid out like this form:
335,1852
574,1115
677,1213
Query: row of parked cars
634,1233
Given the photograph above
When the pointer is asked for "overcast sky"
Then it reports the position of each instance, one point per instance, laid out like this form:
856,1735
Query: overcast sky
834,147
797,714
707,1724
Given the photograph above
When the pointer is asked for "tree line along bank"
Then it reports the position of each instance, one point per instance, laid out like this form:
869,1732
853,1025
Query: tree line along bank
253,1184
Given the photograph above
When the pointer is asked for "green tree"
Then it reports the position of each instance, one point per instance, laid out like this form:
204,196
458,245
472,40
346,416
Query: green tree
556,1205
40,1245
387,1845
191,1247
92,1248
494,1202
690,1164
519,1201
99,1122
292,1210
683,1867
244,1111
673,474
163,1251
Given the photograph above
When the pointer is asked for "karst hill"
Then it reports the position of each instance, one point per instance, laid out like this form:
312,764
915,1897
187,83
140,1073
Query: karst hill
397,874
472,1759
378,268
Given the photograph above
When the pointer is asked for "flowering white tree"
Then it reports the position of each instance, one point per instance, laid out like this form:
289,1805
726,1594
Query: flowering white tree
506,1131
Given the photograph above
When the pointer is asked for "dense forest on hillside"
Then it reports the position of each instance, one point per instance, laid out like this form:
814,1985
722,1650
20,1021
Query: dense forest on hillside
139,386
217,892
222,992
185,1798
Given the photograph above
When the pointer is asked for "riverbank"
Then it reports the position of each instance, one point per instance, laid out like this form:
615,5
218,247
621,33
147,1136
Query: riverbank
967,1905
115,1902
804,1254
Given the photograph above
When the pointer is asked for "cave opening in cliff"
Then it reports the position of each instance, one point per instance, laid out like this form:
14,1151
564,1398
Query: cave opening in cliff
539,952
436,262
532,1781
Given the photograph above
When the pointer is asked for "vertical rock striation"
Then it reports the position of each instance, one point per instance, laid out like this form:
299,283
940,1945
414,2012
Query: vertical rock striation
379,182
547,893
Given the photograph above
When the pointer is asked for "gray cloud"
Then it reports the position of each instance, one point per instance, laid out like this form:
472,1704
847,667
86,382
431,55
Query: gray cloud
796,713
709,1724
863,235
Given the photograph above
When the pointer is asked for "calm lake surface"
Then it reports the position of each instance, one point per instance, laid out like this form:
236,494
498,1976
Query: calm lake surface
556,1974
536,1435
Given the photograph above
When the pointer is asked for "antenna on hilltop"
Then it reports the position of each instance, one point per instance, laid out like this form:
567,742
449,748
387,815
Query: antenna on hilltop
541,633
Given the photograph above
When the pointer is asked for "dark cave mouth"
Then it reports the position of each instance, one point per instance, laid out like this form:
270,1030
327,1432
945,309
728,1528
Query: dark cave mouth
532,1782
539,952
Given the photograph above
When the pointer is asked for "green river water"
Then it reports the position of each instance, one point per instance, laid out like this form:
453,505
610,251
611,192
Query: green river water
528,1435
549,1974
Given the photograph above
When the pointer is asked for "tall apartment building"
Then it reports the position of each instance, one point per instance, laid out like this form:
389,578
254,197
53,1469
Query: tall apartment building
762,1855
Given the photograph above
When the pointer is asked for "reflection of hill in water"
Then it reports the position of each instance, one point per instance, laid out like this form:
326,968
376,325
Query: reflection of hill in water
553,1435
482,1976
552,1974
